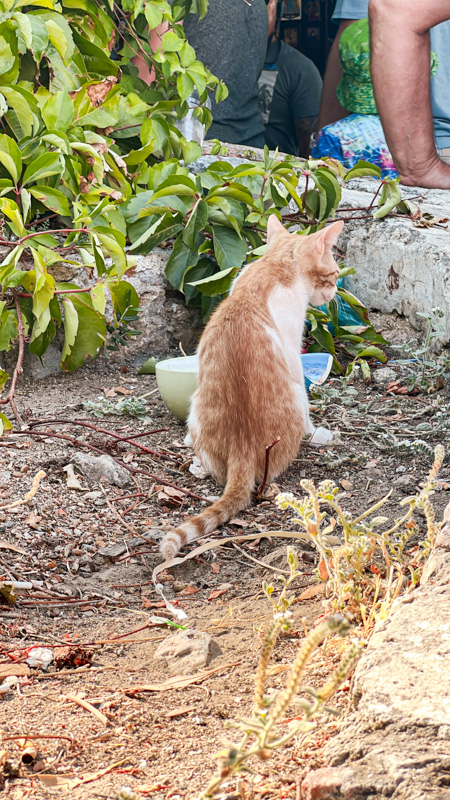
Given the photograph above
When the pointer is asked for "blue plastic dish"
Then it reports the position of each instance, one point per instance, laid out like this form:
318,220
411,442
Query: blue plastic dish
316,367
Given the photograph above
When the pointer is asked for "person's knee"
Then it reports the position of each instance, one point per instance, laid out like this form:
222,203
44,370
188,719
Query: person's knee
382,8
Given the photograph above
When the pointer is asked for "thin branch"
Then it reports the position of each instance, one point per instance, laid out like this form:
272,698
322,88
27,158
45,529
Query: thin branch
132,470
96,428
266,468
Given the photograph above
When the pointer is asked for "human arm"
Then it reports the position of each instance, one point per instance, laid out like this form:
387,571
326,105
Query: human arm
303,130
145,73
400,64
330,107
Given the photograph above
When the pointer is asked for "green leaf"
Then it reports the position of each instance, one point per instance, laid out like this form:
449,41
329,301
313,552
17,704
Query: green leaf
197,222
157,233
98,297
187,55
70,327
185,85
190,150
115,251
323,337
52,198
203,269
89,335
39,36
230,250
96,60
5,423
98,166
390,197
124,297
24,25
234,190
22,102
153,15
3,379
41,342
372,352
329,184
58,111
10,157
8,330
11,210
7,57
42,167
180,259
363,169
219,283
155,130
43,293
221,92
171,43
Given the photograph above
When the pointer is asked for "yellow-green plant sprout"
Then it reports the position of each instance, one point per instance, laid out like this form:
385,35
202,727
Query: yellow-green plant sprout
260,732
365,568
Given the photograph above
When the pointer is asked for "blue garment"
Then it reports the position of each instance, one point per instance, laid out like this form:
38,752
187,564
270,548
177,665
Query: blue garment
440,82
358,136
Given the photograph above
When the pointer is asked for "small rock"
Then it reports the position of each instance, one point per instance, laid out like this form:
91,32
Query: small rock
104,467
372,473
5,477
184,651
112,551
384,375
405,482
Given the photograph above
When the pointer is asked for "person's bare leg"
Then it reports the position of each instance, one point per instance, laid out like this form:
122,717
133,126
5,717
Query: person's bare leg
400,63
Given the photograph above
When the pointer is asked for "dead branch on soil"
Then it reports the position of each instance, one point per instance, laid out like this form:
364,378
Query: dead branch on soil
132,470
29,495
106,432
74,698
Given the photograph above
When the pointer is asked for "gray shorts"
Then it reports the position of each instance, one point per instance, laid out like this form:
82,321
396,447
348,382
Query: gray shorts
444,154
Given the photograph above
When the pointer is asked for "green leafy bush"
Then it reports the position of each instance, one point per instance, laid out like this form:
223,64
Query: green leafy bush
80,133
91,160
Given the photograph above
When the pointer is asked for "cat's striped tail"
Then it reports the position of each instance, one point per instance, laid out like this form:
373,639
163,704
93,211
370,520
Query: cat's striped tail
236,496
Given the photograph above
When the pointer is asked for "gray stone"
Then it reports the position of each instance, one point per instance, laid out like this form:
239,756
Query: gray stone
5,477
184,651
384,375
35,368
164,320
396,742
399,267
97,468
406,482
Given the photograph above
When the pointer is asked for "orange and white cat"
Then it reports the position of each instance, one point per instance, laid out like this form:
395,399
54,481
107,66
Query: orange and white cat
250,382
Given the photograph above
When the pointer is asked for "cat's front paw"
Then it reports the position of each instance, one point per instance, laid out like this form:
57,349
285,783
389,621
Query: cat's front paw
320,437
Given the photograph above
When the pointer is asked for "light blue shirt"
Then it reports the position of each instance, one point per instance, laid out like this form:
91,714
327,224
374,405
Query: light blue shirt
440,82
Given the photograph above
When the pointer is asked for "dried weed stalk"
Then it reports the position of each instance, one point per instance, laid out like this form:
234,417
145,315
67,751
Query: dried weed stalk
365,570
260,733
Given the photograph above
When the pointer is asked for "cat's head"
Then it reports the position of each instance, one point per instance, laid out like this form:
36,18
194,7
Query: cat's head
311,255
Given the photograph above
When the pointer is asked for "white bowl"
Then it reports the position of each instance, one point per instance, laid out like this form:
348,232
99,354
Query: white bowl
177,378
177,382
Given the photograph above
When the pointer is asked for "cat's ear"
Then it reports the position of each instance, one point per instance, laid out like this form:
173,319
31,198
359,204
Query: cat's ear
274,228
327,237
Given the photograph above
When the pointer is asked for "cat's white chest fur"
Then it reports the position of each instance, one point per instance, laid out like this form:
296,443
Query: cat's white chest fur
287,307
